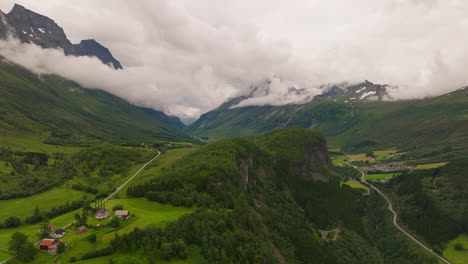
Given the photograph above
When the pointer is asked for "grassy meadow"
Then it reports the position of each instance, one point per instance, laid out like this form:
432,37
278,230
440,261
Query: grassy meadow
24,207
355,185
457,256
373,177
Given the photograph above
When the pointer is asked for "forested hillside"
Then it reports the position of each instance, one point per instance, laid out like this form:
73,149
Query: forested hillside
268,196
433,202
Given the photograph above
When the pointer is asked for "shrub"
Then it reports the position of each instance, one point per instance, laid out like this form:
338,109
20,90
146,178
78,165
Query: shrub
459,246
117,207
12,221
92,238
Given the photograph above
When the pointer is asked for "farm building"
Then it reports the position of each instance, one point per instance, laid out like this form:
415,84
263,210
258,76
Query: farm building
102,214
58,233
81,230
122,214
50,245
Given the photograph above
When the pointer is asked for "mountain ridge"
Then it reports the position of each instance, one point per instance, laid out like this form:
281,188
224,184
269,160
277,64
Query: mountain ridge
31,27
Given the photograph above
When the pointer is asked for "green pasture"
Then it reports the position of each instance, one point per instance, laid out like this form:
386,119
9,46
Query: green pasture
373,177
355,185
457,256
24,207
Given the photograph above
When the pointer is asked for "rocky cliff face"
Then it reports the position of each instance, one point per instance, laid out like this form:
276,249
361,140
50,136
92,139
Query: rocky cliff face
30,27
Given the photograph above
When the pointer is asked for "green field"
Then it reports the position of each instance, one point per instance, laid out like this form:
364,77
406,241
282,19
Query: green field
147,213
430,166
339,159
457,256
382,176
24,207
355,185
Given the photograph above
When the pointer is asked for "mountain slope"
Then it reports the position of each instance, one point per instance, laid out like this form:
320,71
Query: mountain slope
30,27
423,126
59,111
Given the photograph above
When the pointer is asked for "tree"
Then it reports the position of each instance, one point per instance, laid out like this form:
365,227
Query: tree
72,259
16,241
61,247
84,217
21,247
44,231
12,221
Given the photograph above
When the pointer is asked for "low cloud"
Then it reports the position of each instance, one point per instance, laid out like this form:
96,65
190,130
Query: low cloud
187,57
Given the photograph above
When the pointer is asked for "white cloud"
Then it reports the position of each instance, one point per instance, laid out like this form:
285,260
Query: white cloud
187,57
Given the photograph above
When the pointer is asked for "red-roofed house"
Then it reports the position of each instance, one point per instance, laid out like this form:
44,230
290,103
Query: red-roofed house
46,243
50,245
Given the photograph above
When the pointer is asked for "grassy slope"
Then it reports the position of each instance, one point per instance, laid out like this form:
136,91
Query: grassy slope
59,111
24,207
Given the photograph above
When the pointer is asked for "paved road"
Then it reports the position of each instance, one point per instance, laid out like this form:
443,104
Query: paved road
395,217
108,197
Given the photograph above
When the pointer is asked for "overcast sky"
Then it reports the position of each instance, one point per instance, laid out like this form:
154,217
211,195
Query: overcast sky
186,57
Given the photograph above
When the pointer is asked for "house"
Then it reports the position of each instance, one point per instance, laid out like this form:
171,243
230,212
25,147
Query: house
58,233
102,214
52,227
122,214
81,230
50,245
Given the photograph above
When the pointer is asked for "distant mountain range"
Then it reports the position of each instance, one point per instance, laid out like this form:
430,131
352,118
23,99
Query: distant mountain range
30,27
355,118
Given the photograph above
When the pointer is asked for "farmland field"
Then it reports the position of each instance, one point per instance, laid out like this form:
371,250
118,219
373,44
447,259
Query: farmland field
24,207
457,256
372,177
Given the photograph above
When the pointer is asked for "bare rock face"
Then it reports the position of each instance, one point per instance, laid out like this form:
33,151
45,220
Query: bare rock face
244,166
30,27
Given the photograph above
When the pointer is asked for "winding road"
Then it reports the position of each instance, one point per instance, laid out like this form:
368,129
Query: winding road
108,197
395,217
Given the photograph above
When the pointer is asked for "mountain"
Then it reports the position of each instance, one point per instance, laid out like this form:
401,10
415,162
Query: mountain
58,111
354,118
30,27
